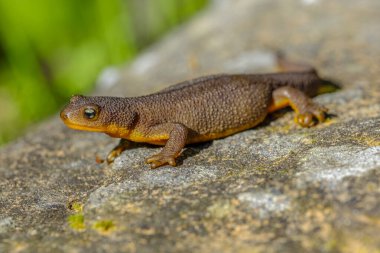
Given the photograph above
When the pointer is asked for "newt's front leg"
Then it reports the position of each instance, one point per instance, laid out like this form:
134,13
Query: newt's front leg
116,151
174,145
306,109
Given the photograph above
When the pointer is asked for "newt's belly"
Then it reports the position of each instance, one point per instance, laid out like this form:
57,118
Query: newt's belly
194,137
217,135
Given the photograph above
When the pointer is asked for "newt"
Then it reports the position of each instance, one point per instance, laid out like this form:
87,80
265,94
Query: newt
198,110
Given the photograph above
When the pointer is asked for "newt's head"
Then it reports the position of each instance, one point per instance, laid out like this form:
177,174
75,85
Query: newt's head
109,115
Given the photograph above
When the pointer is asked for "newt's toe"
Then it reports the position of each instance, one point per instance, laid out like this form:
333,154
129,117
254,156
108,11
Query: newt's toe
305,120
158,160
311,116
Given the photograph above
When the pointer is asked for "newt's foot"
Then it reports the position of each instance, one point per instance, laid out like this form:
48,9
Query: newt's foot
116,151
311,115
161,159
113,154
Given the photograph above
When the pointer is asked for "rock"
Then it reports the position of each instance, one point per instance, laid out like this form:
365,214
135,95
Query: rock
277,187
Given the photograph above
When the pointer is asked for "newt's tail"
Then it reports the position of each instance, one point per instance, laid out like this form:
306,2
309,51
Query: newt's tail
284,65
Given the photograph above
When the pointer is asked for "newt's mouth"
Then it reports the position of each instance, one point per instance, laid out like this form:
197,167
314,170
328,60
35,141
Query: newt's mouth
84,128
112,129
66,119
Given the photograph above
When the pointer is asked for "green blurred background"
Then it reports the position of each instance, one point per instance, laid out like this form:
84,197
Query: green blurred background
51,49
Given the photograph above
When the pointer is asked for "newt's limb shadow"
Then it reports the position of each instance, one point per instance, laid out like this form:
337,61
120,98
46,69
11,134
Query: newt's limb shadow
191,150
329,86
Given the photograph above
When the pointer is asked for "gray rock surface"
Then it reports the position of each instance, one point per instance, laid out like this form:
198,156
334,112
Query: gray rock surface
275,188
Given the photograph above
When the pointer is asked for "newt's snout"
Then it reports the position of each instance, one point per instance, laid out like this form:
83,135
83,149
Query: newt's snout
82,114
64,115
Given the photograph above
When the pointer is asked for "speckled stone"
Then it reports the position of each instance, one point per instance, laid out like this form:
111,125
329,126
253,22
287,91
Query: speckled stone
275,188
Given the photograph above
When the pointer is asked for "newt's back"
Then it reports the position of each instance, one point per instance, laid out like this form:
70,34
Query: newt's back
213,106
221,104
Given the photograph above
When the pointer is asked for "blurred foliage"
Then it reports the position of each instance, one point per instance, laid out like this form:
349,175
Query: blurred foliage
50,50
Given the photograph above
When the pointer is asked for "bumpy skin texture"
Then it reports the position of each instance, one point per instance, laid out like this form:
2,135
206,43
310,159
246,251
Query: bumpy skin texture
199,110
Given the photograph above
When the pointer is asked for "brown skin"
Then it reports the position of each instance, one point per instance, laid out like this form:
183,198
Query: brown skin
199,110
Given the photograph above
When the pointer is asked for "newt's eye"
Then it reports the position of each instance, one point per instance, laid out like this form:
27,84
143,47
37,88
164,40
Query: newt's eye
90,113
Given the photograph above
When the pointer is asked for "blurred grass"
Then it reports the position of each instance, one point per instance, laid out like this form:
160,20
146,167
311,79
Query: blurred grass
50,50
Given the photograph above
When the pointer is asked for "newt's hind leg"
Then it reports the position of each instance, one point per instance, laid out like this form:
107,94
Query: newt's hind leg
308,113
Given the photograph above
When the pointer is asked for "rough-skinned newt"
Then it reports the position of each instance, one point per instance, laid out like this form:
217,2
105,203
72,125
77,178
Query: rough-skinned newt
198,110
